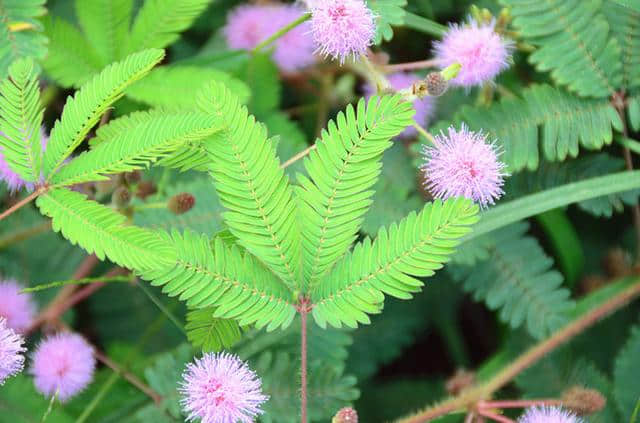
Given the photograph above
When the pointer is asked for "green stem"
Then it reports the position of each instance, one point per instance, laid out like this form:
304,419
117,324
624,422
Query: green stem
50,408
281,32
554,198
104,389
425,25
83,281
632,145
162,308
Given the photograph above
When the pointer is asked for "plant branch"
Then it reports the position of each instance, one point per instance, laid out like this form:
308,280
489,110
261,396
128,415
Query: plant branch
495,417
519,403
282,31
82,281
22,202
470,398
298,156
400,67
130,377
304,312
162,308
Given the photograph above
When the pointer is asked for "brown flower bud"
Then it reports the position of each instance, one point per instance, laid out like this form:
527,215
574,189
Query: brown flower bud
345,415
133,178
181,203
436,84
617,263
145,189
461,380
121,197
583,401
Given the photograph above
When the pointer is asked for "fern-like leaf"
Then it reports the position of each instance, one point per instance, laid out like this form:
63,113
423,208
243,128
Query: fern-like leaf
518,279
26,43
136,148
627,374
252,186
235,283
625,27
159,22
415,247
84,109
101,230
342,169
71,60
387,12
20,120
211,333
105,24
573,41
560,122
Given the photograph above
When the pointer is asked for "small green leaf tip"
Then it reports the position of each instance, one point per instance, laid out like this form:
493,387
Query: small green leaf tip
451,71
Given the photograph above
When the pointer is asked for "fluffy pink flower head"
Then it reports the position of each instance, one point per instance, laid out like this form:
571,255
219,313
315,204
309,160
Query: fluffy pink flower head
12,179
482,53
249,25
548,415
63,363
424,107
11,350
342,28
463,164
221,388
18,309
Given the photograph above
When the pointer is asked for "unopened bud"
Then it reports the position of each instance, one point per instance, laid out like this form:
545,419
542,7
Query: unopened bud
451,71
121,197
145,189
616,263
461,380
583,401
436,84
345,415
133,178
181,203
106,186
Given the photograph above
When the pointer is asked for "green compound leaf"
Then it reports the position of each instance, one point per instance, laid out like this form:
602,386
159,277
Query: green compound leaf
20,120
517,278
252,186
387,13
416,247
26,42
574,43
138,147
342,169
224,277
105,25
101,230
211,333
84,109
625,27
626,375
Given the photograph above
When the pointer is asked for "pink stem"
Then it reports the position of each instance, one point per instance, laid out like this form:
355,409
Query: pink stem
518,403
303,364
495,417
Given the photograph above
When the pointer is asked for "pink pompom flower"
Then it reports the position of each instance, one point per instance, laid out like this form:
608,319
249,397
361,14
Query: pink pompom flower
548,415
463,164
63,364
424,107
342,28
12,179
221,388
249,25
11,352
482,53
17,308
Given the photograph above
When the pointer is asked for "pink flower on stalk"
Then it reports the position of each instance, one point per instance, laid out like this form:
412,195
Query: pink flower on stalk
221,388
18,309
342,28
249,25
12,179
482,53
424,107
63,364
548,415
463,164
11,350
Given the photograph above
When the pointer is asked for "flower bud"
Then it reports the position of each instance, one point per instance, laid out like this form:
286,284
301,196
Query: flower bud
345,415
133,178
145,189
583,401
121,197
181,203
436,84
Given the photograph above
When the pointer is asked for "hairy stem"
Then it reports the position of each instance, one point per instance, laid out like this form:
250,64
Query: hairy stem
422,64
303,364
130,377
471,398
520,403
298,156
282,31
495,417
22,203
156,301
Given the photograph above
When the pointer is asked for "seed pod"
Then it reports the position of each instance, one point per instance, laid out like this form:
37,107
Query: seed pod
345,415
121,197
145,189
436,84
181,203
